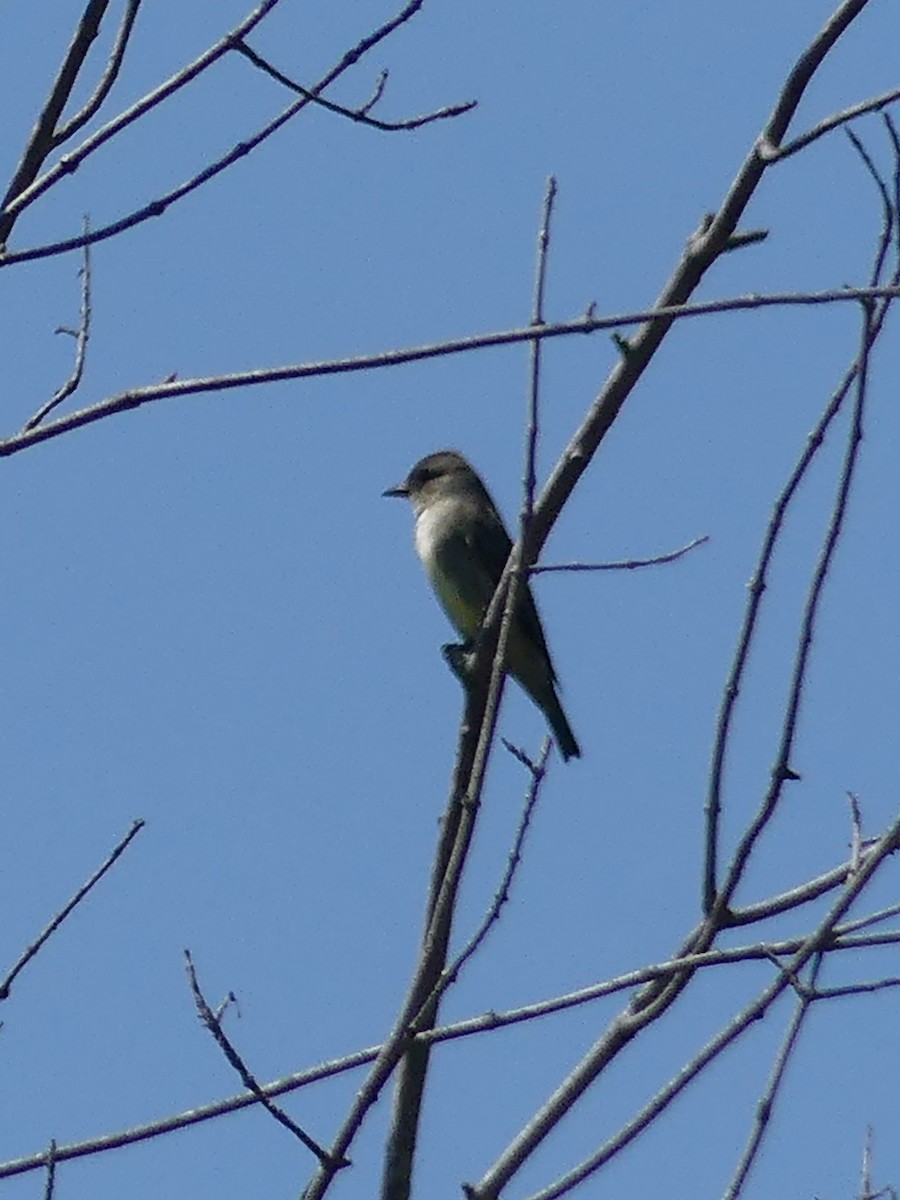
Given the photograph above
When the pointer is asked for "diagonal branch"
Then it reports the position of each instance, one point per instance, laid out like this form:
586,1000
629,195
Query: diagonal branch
765,1105
875,316
843,939
628,1023
701,252
29,953
43,138
212,1021
158,206
876,104
362,115
25,188
108,78
871,326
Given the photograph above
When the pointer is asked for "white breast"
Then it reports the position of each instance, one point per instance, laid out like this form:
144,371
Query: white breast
432,525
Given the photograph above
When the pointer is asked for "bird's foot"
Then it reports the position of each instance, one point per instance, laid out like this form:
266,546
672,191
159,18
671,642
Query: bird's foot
458,657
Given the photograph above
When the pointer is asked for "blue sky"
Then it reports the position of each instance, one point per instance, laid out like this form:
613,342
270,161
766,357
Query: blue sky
214,622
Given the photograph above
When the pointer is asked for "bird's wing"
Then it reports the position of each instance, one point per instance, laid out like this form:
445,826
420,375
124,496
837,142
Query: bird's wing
490,544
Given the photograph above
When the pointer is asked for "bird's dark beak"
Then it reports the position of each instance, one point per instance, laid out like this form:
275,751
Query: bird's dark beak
400,490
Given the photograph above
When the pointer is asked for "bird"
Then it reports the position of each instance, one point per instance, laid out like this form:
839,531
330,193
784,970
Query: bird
463,545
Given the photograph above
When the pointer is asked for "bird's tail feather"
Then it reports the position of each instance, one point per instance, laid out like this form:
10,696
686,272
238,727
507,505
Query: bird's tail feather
562,731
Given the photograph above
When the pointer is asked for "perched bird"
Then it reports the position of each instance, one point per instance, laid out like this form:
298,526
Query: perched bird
463,544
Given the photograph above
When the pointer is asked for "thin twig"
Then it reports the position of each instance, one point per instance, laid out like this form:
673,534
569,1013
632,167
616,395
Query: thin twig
158,206
496,1177
109,77
43,137
858,989
872,327
174,389
803,893
23,192
872,323
867,1188
212,1021
767,1101
856,837
625,564
468,1027
360,115
892,133
538,772
701,252
875,918
757,589
773,154
28,954
888,214
81,342
532,422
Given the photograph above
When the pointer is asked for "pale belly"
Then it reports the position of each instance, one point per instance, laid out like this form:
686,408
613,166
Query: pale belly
460,597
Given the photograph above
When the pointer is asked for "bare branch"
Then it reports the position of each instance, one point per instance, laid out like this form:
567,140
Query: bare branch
213,1023
895,202
766,1103
856,838
532,423
158,206
651,1004
401,1143
109,77
23,192
81,341
774,154
623,1028
44,135
195,1116
843,940
757,588
361,115
50,1182
427,987
484,678
173,389
31,951
782,771
810,889
661,971
888,215
656,999
625,564
740,239
872,326
701,252
857,989
875,918
538,773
